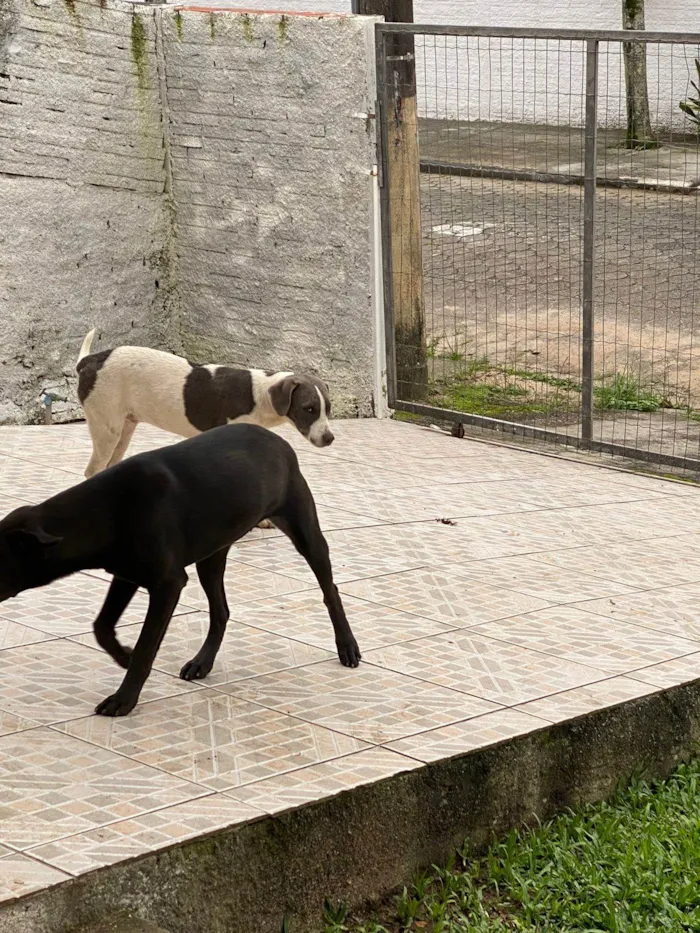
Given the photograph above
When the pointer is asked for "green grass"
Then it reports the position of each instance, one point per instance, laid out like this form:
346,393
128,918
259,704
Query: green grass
628,866
623,393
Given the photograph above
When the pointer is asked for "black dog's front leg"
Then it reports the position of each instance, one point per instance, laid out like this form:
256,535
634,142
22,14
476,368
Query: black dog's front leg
300,524
211,576
162,602
118,598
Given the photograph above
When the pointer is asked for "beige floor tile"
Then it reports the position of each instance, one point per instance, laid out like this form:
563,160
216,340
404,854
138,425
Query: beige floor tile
358,553
371,704
303,617
245,652
9,723
68,606
58,680
20,875
463,737
634,564
452,598
670,673
569,634
218,741
244,582
53,785
14,635
581,700
536,578
494,670
276,794
673,609
144,833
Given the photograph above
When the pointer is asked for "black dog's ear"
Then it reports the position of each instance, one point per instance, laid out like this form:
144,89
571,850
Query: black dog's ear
30,540
281,394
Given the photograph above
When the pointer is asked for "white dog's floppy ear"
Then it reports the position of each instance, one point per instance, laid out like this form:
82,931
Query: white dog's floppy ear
281,394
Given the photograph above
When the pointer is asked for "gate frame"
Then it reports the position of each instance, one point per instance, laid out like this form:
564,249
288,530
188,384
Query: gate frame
592,39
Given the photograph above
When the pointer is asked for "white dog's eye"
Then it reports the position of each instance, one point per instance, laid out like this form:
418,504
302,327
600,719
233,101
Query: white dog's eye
311,409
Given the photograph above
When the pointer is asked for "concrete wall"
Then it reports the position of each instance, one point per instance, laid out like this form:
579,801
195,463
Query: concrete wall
194,181
271,161
83,220
500,80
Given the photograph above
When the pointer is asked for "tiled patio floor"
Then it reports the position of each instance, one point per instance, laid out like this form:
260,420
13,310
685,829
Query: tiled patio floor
552,589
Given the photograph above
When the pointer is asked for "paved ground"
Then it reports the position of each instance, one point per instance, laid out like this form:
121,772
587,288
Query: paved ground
503,268
559,150
556,588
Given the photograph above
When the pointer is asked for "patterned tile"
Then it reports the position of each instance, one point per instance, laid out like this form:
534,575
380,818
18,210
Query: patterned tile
452,598
616,647
58,680
303,617
360,552
69,461
634,564
9,504
10,723
373,705
494,670
20,875
327,779
31,481
673,609
245,652
13,635
554,530
144,833
244,582
377,503
52,785
528,576
68,606
581,700
670,673
329,520
339,474
463,737
216,740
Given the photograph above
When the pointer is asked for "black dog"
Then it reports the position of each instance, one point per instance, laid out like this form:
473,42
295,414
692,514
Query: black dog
145,519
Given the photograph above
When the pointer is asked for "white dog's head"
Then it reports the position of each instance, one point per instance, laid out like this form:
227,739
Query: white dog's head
304,401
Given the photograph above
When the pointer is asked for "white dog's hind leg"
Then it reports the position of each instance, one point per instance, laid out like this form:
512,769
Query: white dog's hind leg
104,441
124,441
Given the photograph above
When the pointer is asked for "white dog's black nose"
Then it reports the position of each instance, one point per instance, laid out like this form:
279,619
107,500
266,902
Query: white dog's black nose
327,438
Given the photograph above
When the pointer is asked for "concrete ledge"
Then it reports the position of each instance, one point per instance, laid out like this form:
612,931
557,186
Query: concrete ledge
361,844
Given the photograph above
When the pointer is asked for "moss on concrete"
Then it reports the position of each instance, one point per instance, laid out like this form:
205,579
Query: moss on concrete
139,52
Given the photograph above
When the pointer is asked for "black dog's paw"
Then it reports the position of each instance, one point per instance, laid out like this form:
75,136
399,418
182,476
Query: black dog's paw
123,656
349,654
115,706
195,669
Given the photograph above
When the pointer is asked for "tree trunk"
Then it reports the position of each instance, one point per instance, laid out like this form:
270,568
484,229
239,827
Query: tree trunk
403,170
639,132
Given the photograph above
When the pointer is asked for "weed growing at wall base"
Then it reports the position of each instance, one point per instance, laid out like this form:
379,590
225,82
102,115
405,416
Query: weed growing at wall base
628,866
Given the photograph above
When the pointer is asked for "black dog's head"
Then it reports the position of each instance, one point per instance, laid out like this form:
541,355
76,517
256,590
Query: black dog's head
304,401
24,546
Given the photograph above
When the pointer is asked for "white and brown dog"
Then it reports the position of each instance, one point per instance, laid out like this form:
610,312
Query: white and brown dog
120,388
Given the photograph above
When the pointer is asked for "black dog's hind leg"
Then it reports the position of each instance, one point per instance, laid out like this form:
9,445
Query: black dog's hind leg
299,521
161,605
211,576
118,598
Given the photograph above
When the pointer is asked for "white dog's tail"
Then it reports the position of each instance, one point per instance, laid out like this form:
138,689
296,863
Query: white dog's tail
87,343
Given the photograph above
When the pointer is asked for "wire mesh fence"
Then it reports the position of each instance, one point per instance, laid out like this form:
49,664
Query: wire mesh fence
541,233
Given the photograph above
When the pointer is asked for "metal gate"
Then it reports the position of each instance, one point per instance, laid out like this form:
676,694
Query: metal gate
540,233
